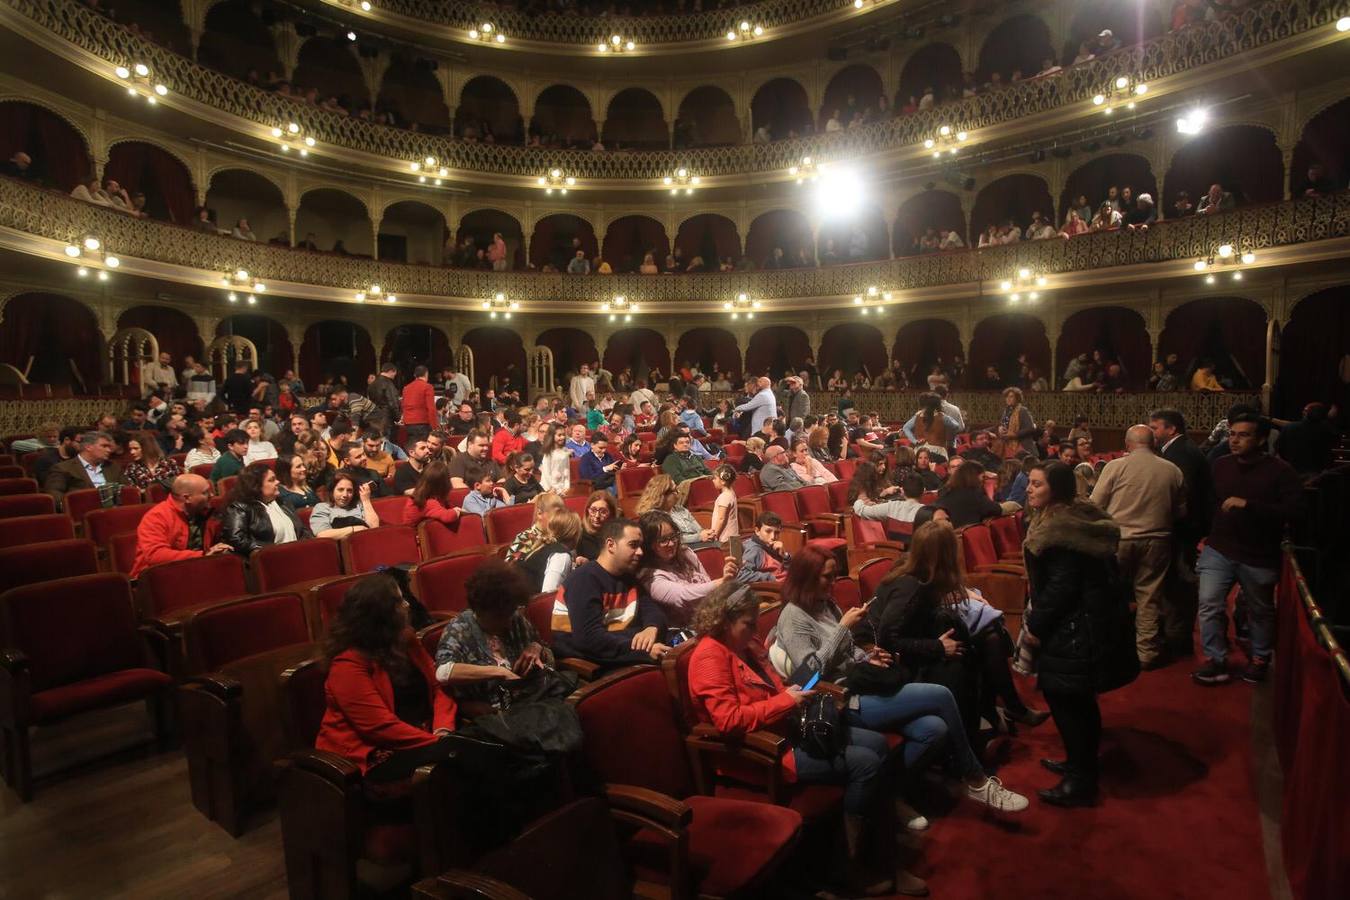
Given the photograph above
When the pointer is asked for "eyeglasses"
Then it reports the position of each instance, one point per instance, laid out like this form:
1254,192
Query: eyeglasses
667,540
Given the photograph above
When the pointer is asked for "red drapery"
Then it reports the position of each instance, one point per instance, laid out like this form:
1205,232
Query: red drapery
1312,344
1021,42
409,346
862,83
709,346
778,228
57,332
1325,140
639,348
571,347
937,66
494,349
636,121
564,111
490,100
708,234
1116,331
164,180
852,347
776,349
629,237
1228,331
173,329
1000,339
60,158
781,106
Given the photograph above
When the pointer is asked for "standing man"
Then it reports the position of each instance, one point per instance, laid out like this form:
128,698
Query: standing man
582,384
88,469
419,405
178,527
761,407
1146,495
461,383
641,395
798,400
1169,434
158,376
1256,495
508,440
384,393
237,391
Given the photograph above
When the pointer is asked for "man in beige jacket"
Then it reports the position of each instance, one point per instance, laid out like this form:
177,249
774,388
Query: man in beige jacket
1145,494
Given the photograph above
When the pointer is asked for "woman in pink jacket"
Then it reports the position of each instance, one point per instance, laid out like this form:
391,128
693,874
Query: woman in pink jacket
671,574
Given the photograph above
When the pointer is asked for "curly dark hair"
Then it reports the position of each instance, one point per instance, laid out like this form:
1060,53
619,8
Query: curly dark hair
867,481
497,587
372,618
248,489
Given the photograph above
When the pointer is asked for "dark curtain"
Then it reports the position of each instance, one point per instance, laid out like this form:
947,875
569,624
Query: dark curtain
60,158
564,111
274,345
1131,23
337,348
173,328
635,121
1228,331
629,237
1242,158
409,346
935,209
920,345
1022,42
872,224
776,349
327,65
708,234
640,348
490,100
778,228
1116,170
852,347
59,333
494,349
707,346
781,105
1312,344
937,66
236,42
571,347
164,180
1000,339
1116,331
862,83
411,90
1326,140
710,119
1013,197
552,240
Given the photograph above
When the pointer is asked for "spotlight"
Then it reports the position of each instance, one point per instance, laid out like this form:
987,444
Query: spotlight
1193,123
351,35
1343,24
1248,258
840,193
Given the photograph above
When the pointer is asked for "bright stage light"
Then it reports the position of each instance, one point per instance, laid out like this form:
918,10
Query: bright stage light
839,193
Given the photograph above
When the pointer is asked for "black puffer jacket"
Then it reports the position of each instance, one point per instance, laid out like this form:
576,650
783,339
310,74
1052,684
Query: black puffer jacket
1079,602
245,526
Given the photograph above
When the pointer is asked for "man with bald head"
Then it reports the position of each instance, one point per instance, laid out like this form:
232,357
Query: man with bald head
178,527
763,405
1146,495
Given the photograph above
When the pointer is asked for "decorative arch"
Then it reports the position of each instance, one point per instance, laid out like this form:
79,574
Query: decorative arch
925,343
707,118
337,348
1319,326
1130,23
1228,331
1117,332
1326,140
412,231
339,221
1012,197
272,345
1020,43
936,65
863,237
781,105
59,147
477,228
1000,340
929,209
635,120
563,115
713,349
225,351
237,42
1244,159
173,329
708,235
853,347
411,93
329,67
488,111
1094,177
853,91
629,237
496,351
785,228
641,349
570,348
236,194
776,349
416,344
60,336
552,240
161,174
128,350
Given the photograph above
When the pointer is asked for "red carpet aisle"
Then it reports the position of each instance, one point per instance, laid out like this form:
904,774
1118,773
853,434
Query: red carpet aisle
1178,817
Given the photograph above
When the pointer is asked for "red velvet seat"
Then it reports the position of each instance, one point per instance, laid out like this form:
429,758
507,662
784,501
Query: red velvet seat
325,598
846,593
20,485
869,576
46,562
633,479
702,493
390,509
505,523
576,503
440,583
713,559
70,645
745,485
1007,537
838,493
435,539
282,565
27,505
632,738
169,588
22,530
204,470
768,620
101,524
78,504
813,504
122,552
220,634
11,472
384,546
979,555
431,636
845,468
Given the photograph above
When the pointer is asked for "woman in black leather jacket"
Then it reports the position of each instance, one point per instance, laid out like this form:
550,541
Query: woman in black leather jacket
254,518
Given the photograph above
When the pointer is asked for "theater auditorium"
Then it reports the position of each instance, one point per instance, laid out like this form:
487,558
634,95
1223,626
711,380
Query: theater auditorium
775,449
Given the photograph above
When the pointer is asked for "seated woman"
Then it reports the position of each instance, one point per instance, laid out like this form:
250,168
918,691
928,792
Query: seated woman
818,442
600,508
385,711
663,494
924,615
670,573
521,483
725,518
491,643
923,466
148,462
253,517
546,505
204,451
1012,481
871,500
548,565
964,498
258,449
428,500
294,477
348,510
753,460
807,467
630,451
733,687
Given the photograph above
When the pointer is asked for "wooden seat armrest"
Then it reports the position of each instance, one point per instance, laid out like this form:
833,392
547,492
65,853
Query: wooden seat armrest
774,589
459,883
328,766
836,517
158,645
765,745
584,668
1000,568
829,687
659,809
217,684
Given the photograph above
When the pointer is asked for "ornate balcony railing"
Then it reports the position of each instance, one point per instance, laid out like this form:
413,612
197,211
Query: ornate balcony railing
49,214
1254,26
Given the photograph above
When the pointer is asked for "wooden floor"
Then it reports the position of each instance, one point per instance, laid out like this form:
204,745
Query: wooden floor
123,825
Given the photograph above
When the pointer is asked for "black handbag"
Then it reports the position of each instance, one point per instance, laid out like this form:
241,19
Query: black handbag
822,731
866,678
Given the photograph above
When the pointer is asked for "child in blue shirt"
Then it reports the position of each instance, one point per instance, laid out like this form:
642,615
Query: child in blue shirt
486,495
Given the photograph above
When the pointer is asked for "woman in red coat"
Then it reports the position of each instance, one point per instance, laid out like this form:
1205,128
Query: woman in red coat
428,500
385,712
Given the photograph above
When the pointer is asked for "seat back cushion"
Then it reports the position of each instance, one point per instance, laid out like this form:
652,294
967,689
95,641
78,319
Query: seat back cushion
22,530
193,582
504,524
281,565
387,545
440,583
631,734
72,629
221,634
27,505
436,539
46,562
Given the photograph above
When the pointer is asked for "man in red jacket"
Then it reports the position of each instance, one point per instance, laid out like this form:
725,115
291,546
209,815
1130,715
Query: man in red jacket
179,527
419,405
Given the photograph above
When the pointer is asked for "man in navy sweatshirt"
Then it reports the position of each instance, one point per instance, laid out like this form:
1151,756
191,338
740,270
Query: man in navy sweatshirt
1256,495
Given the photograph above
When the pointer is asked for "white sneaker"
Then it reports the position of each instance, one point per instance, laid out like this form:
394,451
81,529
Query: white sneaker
995,796
917,823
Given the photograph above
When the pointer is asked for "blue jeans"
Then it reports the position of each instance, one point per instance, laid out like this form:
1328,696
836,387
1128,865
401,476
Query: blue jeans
925,714
858,768
1217,573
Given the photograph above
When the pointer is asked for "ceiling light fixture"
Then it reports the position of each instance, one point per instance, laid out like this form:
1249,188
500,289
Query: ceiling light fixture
375,294
745,31
872,301
682,181
742,305
947,139
488,33
616,44
619,306
500,305
556,180
139,81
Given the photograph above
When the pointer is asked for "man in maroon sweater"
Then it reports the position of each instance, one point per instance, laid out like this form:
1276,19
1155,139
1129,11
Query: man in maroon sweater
1256,495
419,405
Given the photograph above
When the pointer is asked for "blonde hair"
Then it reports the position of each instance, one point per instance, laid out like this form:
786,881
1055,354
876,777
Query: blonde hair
754,444
565,527
654,493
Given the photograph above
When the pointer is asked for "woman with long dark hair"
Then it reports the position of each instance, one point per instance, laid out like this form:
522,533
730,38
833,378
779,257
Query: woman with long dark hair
963,496
1016,425
293,474
429,499
600,508
671,573
348,510
253,517
1079,624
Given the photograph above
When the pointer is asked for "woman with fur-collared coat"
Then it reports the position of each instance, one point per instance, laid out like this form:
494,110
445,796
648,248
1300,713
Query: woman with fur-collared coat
1079,620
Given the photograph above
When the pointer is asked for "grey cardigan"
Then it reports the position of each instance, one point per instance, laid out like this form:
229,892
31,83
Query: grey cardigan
819,638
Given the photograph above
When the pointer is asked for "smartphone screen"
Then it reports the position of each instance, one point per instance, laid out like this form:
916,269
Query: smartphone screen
812,683
735,548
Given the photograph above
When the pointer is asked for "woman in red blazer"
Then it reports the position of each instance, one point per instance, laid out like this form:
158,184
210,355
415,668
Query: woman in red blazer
735,689
428,500
386,713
